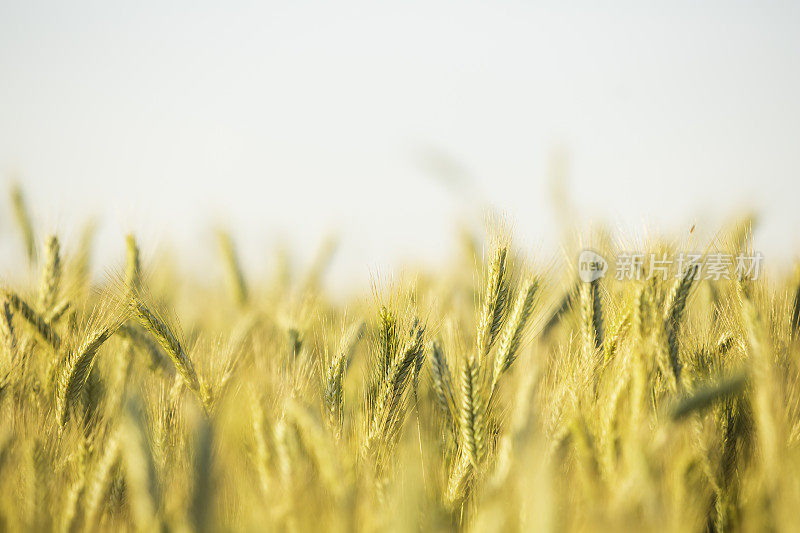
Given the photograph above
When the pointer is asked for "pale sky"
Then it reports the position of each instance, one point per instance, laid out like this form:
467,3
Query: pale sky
299,118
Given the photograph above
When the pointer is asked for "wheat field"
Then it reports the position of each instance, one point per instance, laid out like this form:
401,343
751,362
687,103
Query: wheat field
499,394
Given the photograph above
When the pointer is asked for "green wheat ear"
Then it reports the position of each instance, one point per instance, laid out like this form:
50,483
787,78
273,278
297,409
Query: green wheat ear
708,394
592,316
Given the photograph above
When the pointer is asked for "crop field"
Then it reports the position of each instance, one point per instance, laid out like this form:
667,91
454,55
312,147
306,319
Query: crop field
501,393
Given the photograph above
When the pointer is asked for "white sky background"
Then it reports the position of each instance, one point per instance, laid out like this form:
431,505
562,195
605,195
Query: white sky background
295,118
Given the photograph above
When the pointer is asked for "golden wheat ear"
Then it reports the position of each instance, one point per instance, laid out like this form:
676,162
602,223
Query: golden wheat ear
165,330
167,336
41,326
233,268
333,387
674,308
472,412
133,264
494,301
22,217
391,371
51,276
512,332
72,371
442,383
75,371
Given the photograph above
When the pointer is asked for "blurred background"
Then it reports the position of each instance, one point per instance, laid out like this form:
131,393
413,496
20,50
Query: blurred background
391,123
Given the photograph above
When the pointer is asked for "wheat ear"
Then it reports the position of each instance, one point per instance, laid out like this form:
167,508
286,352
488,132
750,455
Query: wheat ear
614,340
391,388
442,382
334,376
40,325
58,311
9,338
387,340
51,276
168,340
471,412
23,218
233,268
795,320
133,266
75,370
494,302
592,316
512,332
99,481
675,305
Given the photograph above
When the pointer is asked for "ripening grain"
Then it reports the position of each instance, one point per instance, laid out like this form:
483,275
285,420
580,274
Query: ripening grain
495,396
